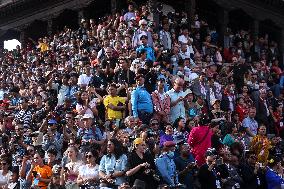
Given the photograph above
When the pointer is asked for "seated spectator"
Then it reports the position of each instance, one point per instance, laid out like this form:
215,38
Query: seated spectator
113,165
141,165
186,166
89,171
39,174
166,160
274,168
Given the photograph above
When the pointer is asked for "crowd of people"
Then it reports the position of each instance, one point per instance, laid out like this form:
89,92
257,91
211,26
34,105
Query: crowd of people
126,102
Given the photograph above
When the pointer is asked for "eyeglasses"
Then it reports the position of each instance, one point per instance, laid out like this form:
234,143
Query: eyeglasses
154,123
88,156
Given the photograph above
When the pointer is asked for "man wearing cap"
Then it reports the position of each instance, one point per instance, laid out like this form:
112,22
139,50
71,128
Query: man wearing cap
52,139
89,133
141,101
142,31
166,165
149,50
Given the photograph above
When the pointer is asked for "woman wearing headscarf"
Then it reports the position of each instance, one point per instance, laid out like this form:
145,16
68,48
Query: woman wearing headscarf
141,164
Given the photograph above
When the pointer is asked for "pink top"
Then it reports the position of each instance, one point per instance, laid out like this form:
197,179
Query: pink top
199,147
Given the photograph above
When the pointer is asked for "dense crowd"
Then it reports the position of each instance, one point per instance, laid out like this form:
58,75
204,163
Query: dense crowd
125,102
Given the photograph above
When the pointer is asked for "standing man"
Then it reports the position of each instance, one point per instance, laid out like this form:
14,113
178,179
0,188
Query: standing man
250,124
177,100
165,37
150,54
141,101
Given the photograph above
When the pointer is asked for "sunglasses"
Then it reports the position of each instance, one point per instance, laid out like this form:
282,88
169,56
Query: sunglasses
30,150
88,156
154,123
3,163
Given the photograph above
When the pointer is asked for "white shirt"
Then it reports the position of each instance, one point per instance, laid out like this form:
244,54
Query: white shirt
87,172
178,110
92,104
84,79
4,180
184,39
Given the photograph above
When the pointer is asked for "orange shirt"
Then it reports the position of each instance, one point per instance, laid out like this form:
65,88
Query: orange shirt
45,173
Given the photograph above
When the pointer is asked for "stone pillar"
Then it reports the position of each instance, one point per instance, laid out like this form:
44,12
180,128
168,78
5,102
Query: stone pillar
190,6
223,25
23,37
1,44
153,9
255,27
49,26
281,47
113,6
81,15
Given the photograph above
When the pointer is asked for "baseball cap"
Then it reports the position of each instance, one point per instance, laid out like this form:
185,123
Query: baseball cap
52,121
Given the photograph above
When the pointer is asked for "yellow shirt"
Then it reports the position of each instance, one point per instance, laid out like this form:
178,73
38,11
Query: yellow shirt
43,47
112,114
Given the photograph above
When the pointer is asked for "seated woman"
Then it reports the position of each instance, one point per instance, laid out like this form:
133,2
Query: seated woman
141,165
70,171
89,171
113,165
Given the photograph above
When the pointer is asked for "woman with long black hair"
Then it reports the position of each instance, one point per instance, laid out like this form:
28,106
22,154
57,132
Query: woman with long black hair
113,165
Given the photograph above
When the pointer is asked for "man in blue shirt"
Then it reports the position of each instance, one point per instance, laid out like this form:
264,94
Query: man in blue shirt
141,101
166,166
149,50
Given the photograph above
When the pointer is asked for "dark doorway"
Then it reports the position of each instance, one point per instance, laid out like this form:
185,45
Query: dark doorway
97,9
37,29
270,28
239,19
67,18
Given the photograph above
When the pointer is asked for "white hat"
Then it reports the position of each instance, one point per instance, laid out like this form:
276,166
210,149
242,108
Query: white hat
87,116
143,21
